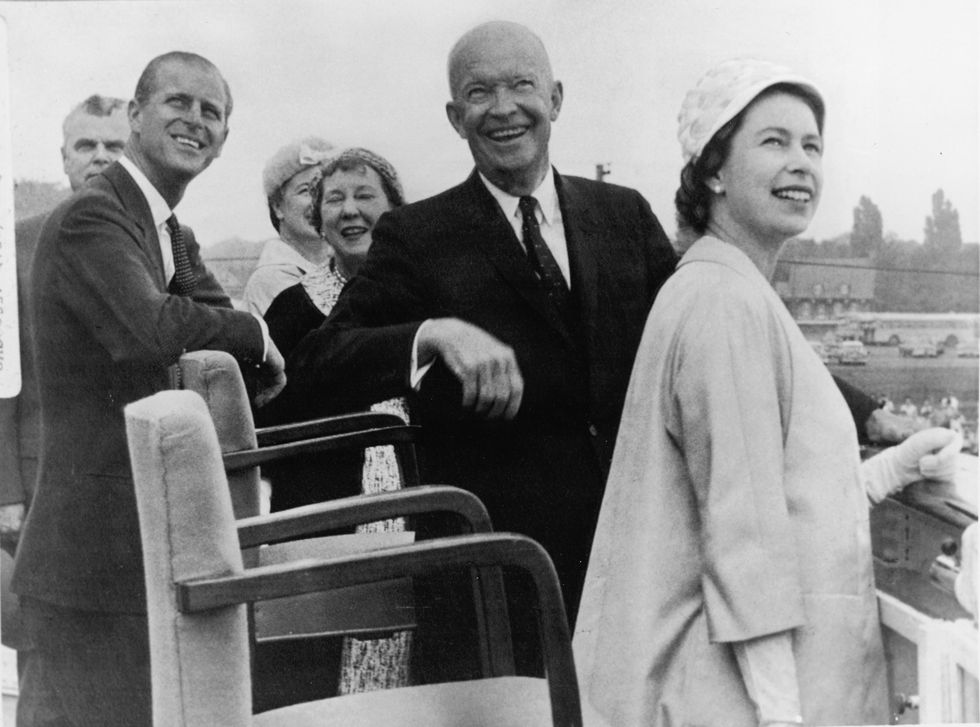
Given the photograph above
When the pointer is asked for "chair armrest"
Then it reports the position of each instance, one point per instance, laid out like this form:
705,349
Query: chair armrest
358,509
402,436
342,424
479,551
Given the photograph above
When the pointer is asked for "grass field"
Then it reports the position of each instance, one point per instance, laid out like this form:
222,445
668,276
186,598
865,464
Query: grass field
896,377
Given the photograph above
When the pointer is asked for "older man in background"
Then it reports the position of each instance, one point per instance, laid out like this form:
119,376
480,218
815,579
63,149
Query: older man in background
95,133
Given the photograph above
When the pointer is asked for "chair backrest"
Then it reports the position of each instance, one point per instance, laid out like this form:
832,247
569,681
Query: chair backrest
216,377
188,530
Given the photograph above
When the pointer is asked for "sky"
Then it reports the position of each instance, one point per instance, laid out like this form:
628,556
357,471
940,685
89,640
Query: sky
900,79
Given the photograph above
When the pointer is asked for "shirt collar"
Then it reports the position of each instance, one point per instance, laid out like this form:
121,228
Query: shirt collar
159,209
546,194
711,249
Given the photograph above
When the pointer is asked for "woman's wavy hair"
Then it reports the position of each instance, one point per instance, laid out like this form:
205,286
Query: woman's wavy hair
693,197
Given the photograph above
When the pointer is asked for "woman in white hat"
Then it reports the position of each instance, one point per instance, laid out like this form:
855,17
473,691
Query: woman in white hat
289,180
730,581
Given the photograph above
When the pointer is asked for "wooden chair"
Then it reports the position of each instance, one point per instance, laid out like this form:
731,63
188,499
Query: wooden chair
377,608
216,377
197,587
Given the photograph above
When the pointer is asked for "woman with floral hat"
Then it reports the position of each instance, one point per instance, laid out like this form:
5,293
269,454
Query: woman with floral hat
288,181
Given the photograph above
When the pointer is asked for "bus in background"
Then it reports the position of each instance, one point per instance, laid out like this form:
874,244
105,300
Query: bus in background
941,330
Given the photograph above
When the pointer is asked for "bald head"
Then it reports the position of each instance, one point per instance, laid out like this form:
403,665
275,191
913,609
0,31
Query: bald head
504,100
498,38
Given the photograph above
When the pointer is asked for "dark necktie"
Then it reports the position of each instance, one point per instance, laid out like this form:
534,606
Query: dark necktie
542,261
184,281
544,264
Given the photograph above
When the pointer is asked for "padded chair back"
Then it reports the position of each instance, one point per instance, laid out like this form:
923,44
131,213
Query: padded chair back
200,665
216,377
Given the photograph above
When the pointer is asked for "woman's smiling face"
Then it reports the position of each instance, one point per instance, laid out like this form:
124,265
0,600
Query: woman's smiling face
352,203
771,181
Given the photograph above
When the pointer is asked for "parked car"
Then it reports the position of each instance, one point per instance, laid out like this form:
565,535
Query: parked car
918,349
968,350
853,353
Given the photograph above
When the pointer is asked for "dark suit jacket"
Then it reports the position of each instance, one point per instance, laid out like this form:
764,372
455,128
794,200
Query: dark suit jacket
19,420
106,333
456,255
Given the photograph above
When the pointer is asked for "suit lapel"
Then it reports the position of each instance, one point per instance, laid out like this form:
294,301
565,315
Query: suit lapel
135,203
583,235
493,235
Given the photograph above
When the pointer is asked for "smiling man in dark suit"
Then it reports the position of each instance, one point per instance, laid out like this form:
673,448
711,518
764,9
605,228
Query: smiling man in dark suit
522,290
119,292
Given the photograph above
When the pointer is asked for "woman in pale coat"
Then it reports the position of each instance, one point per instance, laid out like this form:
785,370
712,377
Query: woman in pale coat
730,581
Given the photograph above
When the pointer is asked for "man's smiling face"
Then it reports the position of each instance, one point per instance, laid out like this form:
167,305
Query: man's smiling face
180,129
504,100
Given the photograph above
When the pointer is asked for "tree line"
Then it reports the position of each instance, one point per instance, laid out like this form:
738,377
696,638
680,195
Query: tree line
938,275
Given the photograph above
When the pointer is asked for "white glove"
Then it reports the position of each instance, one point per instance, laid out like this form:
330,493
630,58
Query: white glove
929,454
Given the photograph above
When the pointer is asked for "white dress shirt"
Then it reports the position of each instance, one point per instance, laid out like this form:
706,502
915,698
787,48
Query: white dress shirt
159,210
548,213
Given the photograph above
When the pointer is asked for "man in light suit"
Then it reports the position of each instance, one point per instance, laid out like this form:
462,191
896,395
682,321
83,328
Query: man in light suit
526,381
119,292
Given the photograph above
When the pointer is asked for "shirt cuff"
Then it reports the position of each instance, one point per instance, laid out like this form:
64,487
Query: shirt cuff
769,671
265,334
417,373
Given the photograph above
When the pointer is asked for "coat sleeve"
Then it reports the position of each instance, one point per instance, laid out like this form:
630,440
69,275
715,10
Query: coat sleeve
861,406
661,256
290,316
104,271
730,372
